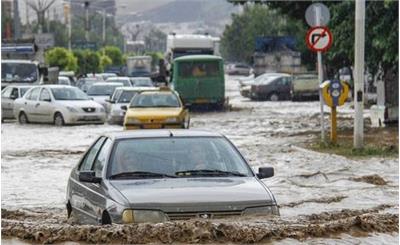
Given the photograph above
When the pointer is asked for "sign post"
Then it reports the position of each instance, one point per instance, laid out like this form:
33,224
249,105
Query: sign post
317,15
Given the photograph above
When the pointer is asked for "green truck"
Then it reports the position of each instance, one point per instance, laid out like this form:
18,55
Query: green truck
200,80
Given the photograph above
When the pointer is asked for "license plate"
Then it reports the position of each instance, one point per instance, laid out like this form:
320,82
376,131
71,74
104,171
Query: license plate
150,126
90,118
201,101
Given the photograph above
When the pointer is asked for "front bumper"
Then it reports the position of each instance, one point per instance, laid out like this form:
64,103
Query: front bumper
85,118
153,126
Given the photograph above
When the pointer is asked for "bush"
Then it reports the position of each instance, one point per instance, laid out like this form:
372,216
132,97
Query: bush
62,58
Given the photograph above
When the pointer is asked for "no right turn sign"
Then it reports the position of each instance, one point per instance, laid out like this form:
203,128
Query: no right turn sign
319,39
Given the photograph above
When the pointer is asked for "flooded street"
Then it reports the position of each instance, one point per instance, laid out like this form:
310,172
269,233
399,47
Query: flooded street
323,198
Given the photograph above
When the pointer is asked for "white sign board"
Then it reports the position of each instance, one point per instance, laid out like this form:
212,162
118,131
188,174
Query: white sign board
44,40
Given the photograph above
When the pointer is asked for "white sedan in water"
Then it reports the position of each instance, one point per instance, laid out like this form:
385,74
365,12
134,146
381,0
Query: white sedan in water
58,104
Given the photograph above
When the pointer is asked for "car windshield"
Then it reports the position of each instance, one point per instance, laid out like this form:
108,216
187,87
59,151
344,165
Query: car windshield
142,82
19,72
125,82
176,157
102,90
65,93
126,96
23,90
155,100
265,79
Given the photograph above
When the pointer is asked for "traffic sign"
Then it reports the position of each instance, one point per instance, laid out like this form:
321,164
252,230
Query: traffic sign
317,14
319,39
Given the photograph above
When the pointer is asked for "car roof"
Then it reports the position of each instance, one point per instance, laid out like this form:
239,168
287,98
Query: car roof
118,78
138,88
139,78
162,133
198,57
108,84
158,92
55,86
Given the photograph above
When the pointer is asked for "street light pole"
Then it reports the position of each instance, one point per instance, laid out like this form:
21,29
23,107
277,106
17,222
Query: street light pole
104,27
87,21
359,74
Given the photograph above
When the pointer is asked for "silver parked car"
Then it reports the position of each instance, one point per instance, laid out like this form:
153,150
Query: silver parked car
58,104
162,175
8,96
122,97
124,80
101,92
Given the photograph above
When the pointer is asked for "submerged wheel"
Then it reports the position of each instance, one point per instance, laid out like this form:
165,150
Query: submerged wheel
58,119
273,97
22,118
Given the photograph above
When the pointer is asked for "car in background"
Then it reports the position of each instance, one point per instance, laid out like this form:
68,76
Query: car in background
156,109
272,88
58,104
107,75
124,80
63,80
245,83
305,86
70,75
101,92
158,176
120,99
141,82
85,83
8,96
239,69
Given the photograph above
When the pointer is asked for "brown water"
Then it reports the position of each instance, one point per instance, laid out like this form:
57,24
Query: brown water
323,198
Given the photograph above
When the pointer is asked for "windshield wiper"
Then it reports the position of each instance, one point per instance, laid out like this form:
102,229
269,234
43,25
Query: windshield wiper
140,174
208,172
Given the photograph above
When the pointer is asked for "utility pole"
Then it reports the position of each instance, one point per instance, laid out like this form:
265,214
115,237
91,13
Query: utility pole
359,74
87,27
17,29
104,27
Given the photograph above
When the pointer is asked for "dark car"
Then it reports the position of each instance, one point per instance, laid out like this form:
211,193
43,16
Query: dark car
272,88
162,175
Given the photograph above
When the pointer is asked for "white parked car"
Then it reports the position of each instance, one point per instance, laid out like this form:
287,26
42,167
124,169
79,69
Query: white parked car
63,80
101,92
141,82
122,97
8,96
124,80
58,104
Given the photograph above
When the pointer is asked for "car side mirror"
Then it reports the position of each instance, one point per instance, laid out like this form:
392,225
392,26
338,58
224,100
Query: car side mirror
265,172
187,105
47,99
124,107
109,101
13,96
89,176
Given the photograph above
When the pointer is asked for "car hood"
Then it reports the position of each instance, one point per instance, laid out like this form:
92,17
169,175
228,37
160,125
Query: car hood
78,103
153,112
194,194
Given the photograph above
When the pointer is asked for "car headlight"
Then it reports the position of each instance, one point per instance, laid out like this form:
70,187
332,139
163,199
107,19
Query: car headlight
142,216
172,120
264,210
72,109
132,120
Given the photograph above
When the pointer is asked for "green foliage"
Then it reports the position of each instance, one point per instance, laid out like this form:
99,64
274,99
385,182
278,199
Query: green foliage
238,40
114,53
62,58
88,61
104,62
155,57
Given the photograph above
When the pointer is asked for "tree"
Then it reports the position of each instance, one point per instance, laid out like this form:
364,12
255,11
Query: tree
88,61
104,62
238,40
114,53
62,58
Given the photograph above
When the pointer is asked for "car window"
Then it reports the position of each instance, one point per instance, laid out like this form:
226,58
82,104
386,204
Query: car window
6,93
34,94
90,155
14,92
102,158
44,95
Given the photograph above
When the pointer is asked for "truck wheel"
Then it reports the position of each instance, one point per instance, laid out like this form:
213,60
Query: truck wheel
22,118
58,120
273,97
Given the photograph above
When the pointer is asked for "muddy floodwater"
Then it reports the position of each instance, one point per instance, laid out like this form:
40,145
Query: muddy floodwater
323,198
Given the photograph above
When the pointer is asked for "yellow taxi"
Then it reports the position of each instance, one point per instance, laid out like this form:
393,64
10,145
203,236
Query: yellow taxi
156,109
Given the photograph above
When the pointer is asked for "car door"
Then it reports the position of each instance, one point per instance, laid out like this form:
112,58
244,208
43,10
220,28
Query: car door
30,105
45,106
283,87
97,197
82,191
7,103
